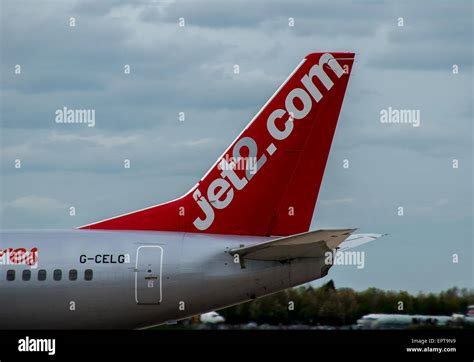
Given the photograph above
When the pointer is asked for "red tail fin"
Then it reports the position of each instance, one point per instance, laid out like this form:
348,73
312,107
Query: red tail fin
268,180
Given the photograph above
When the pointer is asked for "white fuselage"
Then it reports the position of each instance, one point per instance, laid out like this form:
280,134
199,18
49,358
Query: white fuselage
136,279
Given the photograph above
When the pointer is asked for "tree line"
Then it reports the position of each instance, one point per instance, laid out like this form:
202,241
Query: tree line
327,305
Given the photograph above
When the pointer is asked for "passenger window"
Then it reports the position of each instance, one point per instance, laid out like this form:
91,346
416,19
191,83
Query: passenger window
57,274
73,274
88,274
41,274
10,275
26,275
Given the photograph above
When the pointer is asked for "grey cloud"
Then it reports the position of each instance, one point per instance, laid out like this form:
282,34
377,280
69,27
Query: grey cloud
246,14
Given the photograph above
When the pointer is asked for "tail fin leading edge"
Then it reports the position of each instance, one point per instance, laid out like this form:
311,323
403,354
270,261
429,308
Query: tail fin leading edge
267,182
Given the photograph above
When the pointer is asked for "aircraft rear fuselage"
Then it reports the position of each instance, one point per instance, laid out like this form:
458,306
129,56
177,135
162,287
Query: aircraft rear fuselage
106,279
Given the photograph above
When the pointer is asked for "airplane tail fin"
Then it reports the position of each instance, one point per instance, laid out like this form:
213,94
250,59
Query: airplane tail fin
267,182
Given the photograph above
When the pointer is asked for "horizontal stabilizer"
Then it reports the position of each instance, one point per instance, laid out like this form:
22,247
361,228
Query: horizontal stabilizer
311,244
356,240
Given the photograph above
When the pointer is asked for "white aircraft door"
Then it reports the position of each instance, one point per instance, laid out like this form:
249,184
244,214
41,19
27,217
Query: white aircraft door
148,270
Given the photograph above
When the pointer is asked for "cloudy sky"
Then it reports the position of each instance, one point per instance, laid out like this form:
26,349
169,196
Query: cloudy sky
190,69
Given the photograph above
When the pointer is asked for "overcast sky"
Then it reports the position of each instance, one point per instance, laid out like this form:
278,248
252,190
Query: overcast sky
189,69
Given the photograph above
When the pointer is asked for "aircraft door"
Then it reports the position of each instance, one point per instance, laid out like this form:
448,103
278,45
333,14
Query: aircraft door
148,272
